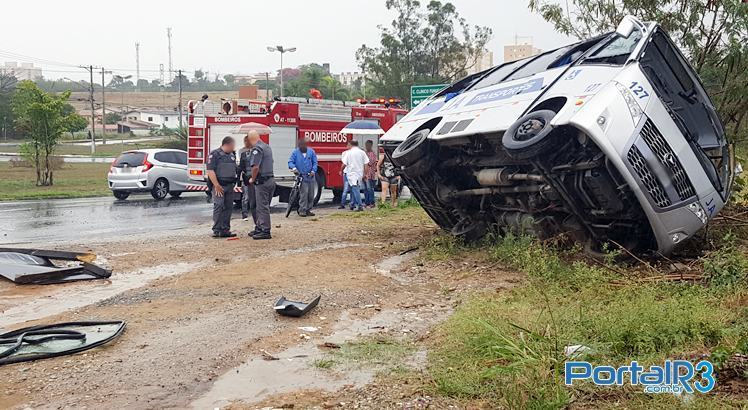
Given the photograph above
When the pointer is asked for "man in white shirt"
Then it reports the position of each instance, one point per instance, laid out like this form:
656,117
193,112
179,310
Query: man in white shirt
354,163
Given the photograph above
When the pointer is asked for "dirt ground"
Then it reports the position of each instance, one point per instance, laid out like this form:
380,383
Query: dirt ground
200,319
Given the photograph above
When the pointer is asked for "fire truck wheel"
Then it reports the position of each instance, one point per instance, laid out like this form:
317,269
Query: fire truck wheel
160,189
414,148
321,182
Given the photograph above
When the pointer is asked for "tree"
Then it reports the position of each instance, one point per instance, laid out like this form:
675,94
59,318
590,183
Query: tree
428,46
112,118
42,116
7,89
711,33
230,79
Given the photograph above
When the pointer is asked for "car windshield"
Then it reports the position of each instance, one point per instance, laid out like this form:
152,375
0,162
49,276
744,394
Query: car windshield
130,159
616,51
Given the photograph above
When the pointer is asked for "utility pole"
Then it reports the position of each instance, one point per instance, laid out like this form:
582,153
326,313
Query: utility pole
90,69
103,106
180,99
137,66
171,70
267,86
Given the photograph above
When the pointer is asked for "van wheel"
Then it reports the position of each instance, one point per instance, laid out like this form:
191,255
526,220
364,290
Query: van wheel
160,189
321,182
531,135
121,195
413,149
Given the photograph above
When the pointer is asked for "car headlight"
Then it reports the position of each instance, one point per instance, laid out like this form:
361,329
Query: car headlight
634,109
699,211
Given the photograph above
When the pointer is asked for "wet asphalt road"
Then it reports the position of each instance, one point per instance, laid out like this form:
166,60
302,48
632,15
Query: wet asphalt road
63,220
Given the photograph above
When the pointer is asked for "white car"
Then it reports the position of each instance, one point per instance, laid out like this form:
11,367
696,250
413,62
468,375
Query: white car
612,139
161,172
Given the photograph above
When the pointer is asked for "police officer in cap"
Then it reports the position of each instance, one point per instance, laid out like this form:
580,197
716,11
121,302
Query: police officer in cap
222,174
261,175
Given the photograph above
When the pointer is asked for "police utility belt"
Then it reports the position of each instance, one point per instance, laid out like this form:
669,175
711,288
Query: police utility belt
261,179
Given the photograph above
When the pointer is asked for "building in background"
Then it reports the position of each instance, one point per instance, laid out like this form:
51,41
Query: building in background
22,71
522,48
158,118
484,62
348,79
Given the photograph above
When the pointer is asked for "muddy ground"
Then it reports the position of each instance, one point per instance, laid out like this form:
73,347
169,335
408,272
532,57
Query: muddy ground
200,322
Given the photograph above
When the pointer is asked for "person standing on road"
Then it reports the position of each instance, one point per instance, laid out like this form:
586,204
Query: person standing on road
370,175
248,190
355,161
390,180
222,173
303,161
346,186
261,166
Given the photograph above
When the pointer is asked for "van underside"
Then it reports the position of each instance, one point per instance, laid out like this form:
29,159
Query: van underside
566,186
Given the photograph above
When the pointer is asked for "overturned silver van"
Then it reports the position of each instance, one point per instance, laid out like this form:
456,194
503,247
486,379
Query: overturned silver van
611,139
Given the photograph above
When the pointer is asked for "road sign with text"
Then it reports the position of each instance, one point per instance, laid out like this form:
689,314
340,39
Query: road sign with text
418,93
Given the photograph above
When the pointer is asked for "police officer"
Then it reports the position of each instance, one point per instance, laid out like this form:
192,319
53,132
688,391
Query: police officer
222,174
261,165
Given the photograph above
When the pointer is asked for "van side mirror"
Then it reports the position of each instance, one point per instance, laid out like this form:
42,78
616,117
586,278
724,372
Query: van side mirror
626,27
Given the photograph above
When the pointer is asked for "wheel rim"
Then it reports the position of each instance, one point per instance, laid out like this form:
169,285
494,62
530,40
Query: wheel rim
161,189
529,129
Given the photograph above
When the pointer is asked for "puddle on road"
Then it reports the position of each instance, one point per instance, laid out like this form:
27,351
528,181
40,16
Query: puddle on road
258,378
388,267
81,294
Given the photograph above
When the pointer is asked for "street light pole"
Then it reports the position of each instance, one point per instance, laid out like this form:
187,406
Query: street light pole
282,50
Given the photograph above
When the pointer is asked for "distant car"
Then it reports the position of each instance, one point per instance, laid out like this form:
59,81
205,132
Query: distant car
161,172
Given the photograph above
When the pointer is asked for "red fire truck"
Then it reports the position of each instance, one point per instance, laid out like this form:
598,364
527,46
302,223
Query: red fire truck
318,121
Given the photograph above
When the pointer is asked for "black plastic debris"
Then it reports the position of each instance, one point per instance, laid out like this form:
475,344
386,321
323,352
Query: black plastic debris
42,267
45,341
287,307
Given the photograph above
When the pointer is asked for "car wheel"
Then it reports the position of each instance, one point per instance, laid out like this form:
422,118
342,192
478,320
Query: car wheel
531,135
321,182
121,195
175,195
413,149
160,189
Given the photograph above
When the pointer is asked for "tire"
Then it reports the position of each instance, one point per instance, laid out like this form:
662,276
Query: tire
321,182
414,148
531,135
121,195
293,201
160,189
175,195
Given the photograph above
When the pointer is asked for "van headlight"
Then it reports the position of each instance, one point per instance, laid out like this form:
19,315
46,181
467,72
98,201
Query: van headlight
699,211
634,109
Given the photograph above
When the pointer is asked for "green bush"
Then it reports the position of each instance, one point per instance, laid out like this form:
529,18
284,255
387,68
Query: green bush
727,266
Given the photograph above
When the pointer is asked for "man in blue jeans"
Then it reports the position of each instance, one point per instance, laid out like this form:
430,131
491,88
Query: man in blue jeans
354,163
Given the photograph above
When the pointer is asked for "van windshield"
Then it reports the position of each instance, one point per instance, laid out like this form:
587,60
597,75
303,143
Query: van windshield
616,51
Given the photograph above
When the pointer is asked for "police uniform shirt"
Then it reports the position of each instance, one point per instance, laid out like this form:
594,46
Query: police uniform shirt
224,165
262,157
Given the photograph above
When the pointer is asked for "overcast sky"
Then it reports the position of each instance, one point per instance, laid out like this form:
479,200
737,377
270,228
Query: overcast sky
225,37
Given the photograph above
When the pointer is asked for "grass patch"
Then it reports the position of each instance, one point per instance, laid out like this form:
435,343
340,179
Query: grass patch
323,364
382,210
443,246
374,351
72,181
508,349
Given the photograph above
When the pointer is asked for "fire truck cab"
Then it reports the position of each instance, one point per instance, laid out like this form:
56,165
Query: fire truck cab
290,119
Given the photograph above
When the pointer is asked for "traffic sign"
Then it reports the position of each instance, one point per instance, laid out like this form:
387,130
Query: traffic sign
419,93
